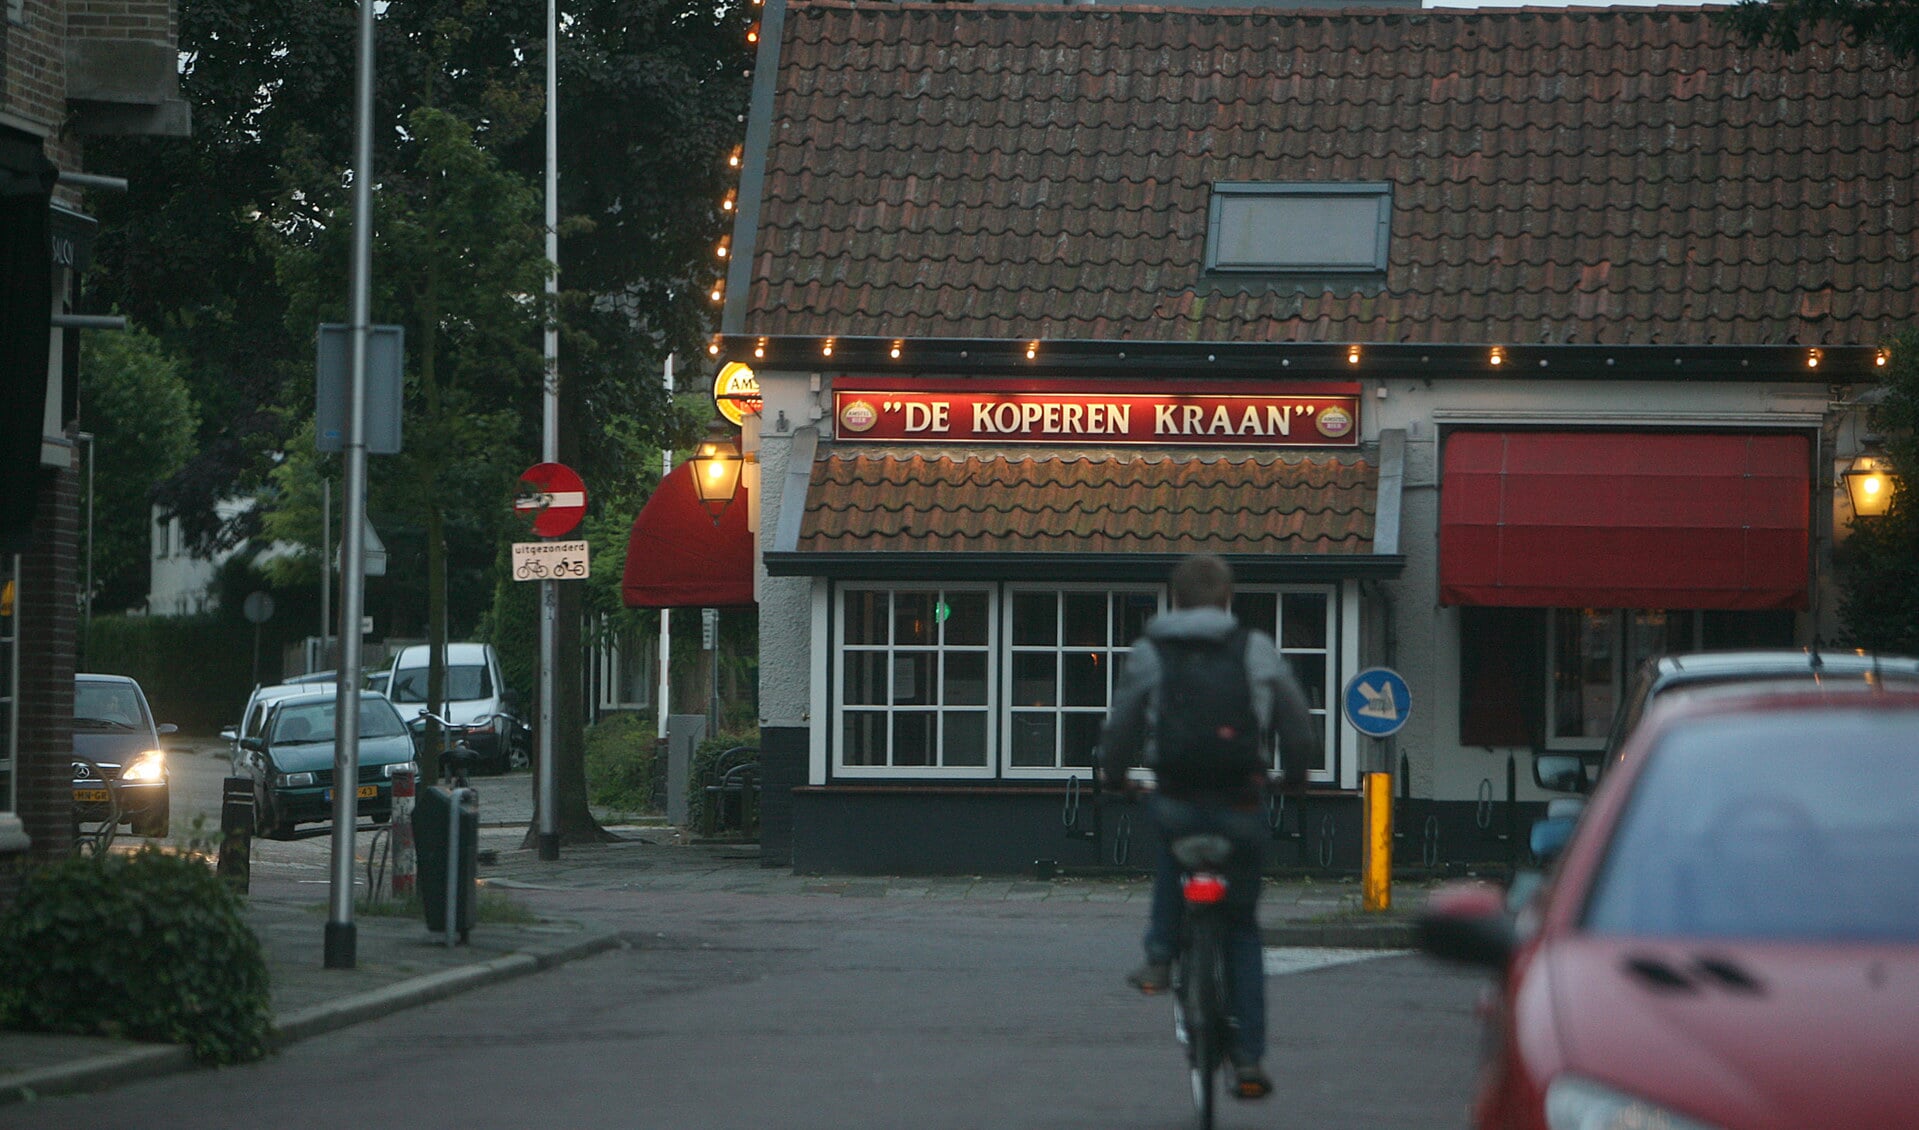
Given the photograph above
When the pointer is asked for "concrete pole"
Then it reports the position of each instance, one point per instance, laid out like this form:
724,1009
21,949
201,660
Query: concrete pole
340,938
549,834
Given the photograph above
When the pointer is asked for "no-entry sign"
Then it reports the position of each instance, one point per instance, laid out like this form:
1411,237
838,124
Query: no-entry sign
560,502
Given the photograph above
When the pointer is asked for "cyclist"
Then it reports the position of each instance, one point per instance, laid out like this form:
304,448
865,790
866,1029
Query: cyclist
1215,783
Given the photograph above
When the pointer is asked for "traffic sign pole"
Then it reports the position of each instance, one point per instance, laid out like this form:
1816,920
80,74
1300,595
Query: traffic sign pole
1377,703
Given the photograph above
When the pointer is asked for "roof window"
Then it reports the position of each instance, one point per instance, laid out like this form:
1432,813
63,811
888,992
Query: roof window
1271,228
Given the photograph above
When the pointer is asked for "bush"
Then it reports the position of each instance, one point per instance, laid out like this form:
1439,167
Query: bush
151,946
704,756
623,767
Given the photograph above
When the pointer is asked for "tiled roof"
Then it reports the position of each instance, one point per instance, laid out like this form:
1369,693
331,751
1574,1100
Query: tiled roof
1616,175
1089,504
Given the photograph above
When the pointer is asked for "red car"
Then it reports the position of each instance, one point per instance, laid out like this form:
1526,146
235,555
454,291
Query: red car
1731,939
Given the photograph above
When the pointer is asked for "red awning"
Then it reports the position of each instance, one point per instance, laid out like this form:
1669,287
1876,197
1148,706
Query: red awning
1625,520
677,558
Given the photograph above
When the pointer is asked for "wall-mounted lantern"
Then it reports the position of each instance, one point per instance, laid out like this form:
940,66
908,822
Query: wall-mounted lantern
1869,485
716,469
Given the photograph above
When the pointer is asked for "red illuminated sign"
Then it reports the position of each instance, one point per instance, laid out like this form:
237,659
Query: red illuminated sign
1069,413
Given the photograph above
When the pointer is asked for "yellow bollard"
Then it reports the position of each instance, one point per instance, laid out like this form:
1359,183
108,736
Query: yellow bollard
1376,866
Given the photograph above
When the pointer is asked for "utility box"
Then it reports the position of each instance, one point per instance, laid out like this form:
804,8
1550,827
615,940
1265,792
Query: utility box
684,733
446,843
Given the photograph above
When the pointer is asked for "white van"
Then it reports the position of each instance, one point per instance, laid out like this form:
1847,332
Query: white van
476,696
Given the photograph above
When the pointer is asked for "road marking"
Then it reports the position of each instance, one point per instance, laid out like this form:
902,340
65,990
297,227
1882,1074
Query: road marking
1301,959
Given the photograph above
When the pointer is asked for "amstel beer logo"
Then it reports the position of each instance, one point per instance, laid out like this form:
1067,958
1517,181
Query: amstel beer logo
737,392
858,416
1333,422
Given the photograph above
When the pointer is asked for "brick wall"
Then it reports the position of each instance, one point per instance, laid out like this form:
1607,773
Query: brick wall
49,626
36,84
145,21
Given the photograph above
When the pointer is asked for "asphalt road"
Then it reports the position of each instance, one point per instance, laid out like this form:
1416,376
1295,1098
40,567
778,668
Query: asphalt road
733,1010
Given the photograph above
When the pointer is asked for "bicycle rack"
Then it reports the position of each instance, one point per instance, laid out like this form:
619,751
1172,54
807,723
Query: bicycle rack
1328,831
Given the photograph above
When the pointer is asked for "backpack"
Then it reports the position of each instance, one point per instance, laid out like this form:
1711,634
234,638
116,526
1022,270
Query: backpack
1208,733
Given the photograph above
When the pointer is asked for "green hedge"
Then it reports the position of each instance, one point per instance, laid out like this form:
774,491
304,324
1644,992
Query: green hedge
704,756
196,670
623,769
151,946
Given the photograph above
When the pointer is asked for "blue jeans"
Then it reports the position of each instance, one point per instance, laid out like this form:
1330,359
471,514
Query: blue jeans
1245,963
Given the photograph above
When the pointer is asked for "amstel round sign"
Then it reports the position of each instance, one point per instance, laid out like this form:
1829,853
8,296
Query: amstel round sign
737,392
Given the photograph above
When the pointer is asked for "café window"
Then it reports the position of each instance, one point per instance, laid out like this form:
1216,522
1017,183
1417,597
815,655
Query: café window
1067,646
915,672
1587,657
1301,624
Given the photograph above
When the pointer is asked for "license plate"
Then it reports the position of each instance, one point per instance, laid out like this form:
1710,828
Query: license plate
364,792
91,795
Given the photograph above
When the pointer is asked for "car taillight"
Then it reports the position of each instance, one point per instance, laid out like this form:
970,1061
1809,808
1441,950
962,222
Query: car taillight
1204,887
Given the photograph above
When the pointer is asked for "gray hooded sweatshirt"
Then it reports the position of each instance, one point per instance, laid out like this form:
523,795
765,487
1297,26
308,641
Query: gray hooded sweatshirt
1277,701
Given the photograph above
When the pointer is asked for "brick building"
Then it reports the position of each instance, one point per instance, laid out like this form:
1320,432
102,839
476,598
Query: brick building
69,69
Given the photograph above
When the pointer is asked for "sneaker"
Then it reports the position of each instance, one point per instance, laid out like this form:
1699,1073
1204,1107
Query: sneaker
1152,977
1250,1081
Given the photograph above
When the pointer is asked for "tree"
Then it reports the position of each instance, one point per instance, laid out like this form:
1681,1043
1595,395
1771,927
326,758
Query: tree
458,263
1786,24
1879,578
135,403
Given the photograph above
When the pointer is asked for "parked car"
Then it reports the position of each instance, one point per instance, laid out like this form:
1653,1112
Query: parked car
1724,939
254,715
116,749
1663,674
291,760
476,699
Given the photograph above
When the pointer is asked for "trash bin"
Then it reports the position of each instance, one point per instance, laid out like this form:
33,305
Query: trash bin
441,849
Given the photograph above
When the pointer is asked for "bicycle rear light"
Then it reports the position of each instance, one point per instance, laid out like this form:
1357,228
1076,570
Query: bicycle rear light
1204,888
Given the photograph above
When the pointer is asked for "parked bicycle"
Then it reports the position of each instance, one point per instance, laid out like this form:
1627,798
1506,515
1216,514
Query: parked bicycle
458,758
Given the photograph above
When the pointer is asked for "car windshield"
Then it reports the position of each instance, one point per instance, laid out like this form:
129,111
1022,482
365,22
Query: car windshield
313,722
1788,825
107,706
463,684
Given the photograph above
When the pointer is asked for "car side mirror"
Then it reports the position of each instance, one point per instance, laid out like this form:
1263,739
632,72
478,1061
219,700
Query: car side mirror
1560,772
168,728
229,735
1468,923
254,745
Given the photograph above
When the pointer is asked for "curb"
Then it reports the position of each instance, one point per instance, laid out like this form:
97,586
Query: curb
164,1059
1342,935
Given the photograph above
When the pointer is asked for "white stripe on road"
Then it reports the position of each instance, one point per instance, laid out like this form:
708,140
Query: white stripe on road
1301,959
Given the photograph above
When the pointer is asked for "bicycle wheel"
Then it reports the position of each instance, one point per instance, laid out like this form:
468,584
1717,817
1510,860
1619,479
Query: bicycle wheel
1203,1005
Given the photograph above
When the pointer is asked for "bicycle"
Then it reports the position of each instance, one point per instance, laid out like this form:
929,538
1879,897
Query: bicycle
458,758
1202,1008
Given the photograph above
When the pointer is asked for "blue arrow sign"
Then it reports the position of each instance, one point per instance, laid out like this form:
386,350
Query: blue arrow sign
1378,702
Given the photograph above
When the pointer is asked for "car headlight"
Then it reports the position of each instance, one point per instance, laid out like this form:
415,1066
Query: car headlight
1573,1103
149,766
295,780
388,771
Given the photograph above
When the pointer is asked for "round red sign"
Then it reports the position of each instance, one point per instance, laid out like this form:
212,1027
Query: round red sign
560,502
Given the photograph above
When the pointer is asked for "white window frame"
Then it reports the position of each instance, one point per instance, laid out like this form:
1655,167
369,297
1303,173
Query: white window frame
1328,708
840,650
1114,648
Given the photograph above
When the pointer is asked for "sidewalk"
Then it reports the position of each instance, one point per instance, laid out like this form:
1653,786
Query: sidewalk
397,965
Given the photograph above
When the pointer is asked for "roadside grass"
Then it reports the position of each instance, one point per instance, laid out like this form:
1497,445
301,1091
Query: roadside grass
496,908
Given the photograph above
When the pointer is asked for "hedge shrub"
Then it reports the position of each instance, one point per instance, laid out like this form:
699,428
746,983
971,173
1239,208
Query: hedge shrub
623,769
150,946
704,757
